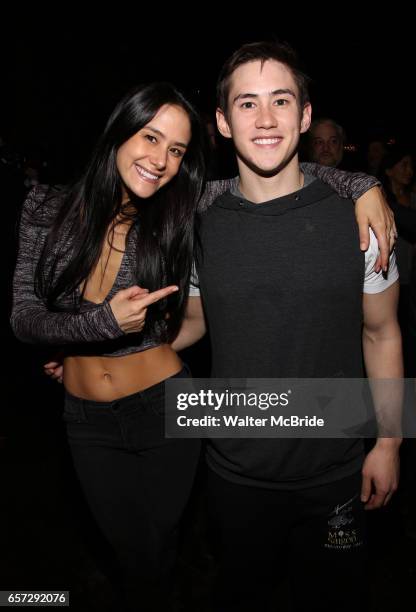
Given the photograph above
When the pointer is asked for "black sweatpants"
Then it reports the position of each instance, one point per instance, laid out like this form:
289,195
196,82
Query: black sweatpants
315,537
137,484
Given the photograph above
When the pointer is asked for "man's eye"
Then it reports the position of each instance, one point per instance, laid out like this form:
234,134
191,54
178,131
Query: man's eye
247,105
281,102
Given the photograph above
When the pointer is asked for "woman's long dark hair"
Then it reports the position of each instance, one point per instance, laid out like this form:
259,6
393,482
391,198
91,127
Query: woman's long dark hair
394,155
165,221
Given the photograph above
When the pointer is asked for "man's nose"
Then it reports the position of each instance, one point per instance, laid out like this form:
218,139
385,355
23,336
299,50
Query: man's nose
266,118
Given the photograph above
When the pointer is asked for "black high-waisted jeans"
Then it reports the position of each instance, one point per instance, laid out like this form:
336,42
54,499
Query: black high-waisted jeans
137,484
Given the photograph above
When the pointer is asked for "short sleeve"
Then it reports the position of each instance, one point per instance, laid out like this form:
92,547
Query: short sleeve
376,282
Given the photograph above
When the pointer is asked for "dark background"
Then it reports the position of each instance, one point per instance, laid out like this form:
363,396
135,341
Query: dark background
60,77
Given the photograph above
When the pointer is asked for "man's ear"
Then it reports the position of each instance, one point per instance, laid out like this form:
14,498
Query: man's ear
306,118
222,124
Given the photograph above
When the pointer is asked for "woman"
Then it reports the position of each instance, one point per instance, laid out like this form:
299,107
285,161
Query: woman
129,217
82,252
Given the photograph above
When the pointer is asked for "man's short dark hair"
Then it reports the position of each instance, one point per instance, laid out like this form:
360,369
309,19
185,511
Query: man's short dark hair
261,51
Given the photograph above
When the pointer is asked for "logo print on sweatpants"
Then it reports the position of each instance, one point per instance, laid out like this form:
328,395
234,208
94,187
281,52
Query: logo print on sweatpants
343,533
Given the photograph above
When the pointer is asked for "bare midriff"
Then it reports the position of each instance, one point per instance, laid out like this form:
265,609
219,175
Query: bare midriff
105,379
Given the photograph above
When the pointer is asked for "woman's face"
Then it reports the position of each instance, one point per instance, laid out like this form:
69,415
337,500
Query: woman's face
402,172
152,157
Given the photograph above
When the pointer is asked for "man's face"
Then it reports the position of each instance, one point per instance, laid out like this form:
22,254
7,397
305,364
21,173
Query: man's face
264,119
326,145
375,153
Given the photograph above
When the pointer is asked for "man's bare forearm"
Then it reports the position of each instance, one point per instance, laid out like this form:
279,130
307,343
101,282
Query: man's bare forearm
384,365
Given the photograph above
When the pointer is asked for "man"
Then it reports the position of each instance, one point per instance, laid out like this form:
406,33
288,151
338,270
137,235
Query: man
326,140
375,153
274,285
280,305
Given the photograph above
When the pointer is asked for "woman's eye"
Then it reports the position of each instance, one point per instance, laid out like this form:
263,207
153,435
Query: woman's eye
177,152
150,138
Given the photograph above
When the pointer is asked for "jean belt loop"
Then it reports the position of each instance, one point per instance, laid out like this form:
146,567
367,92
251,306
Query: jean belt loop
82,412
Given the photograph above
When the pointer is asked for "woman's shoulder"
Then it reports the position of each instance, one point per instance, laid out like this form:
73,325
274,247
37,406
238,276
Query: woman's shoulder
42,204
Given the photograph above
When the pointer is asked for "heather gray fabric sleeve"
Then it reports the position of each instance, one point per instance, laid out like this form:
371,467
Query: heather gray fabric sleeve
31,321
351,185
214,189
